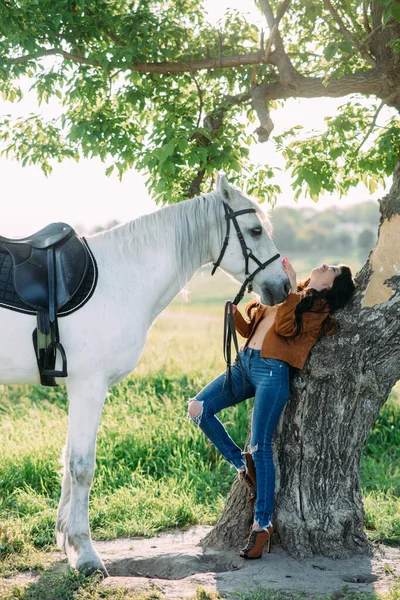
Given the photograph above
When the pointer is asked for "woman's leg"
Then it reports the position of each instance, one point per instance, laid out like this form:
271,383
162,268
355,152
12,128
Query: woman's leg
218,394
271,381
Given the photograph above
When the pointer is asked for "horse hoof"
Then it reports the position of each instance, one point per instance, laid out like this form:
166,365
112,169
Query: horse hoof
89,569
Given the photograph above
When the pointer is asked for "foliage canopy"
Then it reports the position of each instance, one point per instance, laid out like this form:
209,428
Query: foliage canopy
151,84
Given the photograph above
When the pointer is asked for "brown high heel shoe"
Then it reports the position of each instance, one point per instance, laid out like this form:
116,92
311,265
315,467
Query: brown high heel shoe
257,542
249,475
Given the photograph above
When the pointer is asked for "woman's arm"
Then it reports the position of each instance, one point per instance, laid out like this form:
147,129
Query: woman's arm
291,274
242,325
285,320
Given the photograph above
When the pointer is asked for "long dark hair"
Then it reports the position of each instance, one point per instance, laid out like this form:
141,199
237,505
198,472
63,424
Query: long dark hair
325,301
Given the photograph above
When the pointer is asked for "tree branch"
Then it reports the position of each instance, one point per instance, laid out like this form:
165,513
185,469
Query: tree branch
260,105
371,34
368,82
282,62
376,14
367,26
371,127
281,11
194,187
221,62
212,122
200,95
291,85
273,23
285,68
52,52
347,34
373,122
205,64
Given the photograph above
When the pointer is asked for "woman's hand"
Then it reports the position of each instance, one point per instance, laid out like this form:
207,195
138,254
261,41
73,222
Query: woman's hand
234,307
291,273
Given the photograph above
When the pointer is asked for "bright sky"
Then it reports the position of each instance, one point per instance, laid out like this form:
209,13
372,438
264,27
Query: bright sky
81,194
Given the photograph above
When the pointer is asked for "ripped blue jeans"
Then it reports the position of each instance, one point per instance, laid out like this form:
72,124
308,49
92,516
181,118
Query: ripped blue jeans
267,380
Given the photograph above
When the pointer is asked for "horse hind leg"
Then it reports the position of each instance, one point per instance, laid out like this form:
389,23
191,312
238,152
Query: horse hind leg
86,400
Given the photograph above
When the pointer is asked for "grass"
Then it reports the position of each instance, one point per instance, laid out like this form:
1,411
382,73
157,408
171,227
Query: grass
260,593
154,469
71,586
75,586
380,474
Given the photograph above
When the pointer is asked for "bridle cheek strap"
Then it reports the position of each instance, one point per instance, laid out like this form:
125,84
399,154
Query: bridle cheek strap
230,214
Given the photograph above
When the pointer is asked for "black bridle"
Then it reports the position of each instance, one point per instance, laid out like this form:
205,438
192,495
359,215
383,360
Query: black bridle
229,325
246,251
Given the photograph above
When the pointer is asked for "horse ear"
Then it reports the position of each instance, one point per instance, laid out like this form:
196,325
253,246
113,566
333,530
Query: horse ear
223,187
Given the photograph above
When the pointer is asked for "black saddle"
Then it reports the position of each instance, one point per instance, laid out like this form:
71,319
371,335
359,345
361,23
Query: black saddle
48,236
42,274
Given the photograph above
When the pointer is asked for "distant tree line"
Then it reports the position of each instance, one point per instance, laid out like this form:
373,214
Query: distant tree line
334,229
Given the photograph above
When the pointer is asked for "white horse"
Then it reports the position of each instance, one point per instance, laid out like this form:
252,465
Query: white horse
142,265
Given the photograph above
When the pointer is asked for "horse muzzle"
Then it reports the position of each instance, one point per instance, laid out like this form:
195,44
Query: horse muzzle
272,294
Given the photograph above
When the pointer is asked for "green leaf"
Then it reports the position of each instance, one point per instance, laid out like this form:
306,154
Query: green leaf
336,152
396,11
387,14
346,47
330,51
235,165
166,151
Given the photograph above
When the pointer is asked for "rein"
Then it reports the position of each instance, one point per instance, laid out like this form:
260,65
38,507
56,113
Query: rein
229,324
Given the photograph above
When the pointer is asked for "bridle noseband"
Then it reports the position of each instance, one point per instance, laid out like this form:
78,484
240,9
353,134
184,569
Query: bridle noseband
231,215
229,325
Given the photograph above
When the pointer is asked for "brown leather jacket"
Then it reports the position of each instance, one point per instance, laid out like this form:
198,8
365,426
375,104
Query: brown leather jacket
279,342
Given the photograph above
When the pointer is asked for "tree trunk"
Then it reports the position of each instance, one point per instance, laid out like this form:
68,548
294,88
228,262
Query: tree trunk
333,404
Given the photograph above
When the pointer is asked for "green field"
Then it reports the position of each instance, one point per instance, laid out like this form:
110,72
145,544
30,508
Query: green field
154,469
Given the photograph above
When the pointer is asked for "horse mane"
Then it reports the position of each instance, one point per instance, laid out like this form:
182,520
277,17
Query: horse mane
176,223
179,224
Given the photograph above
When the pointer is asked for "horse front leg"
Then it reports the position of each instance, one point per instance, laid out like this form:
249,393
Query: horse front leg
63,506
86,400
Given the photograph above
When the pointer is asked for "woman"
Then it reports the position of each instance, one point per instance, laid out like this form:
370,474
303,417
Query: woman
277,337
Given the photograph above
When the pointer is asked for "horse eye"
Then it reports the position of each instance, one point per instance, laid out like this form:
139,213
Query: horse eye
256,231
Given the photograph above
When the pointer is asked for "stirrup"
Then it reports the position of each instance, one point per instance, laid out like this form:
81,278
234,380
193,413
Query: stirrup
50,358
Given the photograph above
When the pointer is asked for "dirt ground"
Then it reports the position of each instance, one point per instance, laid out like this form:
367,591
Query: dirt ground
175,564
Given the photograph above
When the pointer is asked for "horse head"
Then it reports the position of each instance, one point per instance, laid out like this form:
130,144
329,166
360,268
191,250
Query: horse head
270,282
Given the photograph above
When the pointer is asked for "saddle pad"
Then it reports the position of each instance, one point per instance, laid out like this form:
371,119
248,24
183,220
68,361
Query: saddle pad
10,299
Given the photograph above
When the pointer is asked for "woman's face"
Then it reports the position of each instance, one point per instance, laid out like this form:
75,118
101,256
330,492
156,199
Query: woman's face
323,277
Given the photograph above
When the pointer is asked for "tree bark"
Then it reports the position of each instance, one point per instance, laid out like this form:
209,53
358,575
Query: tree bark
333,403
